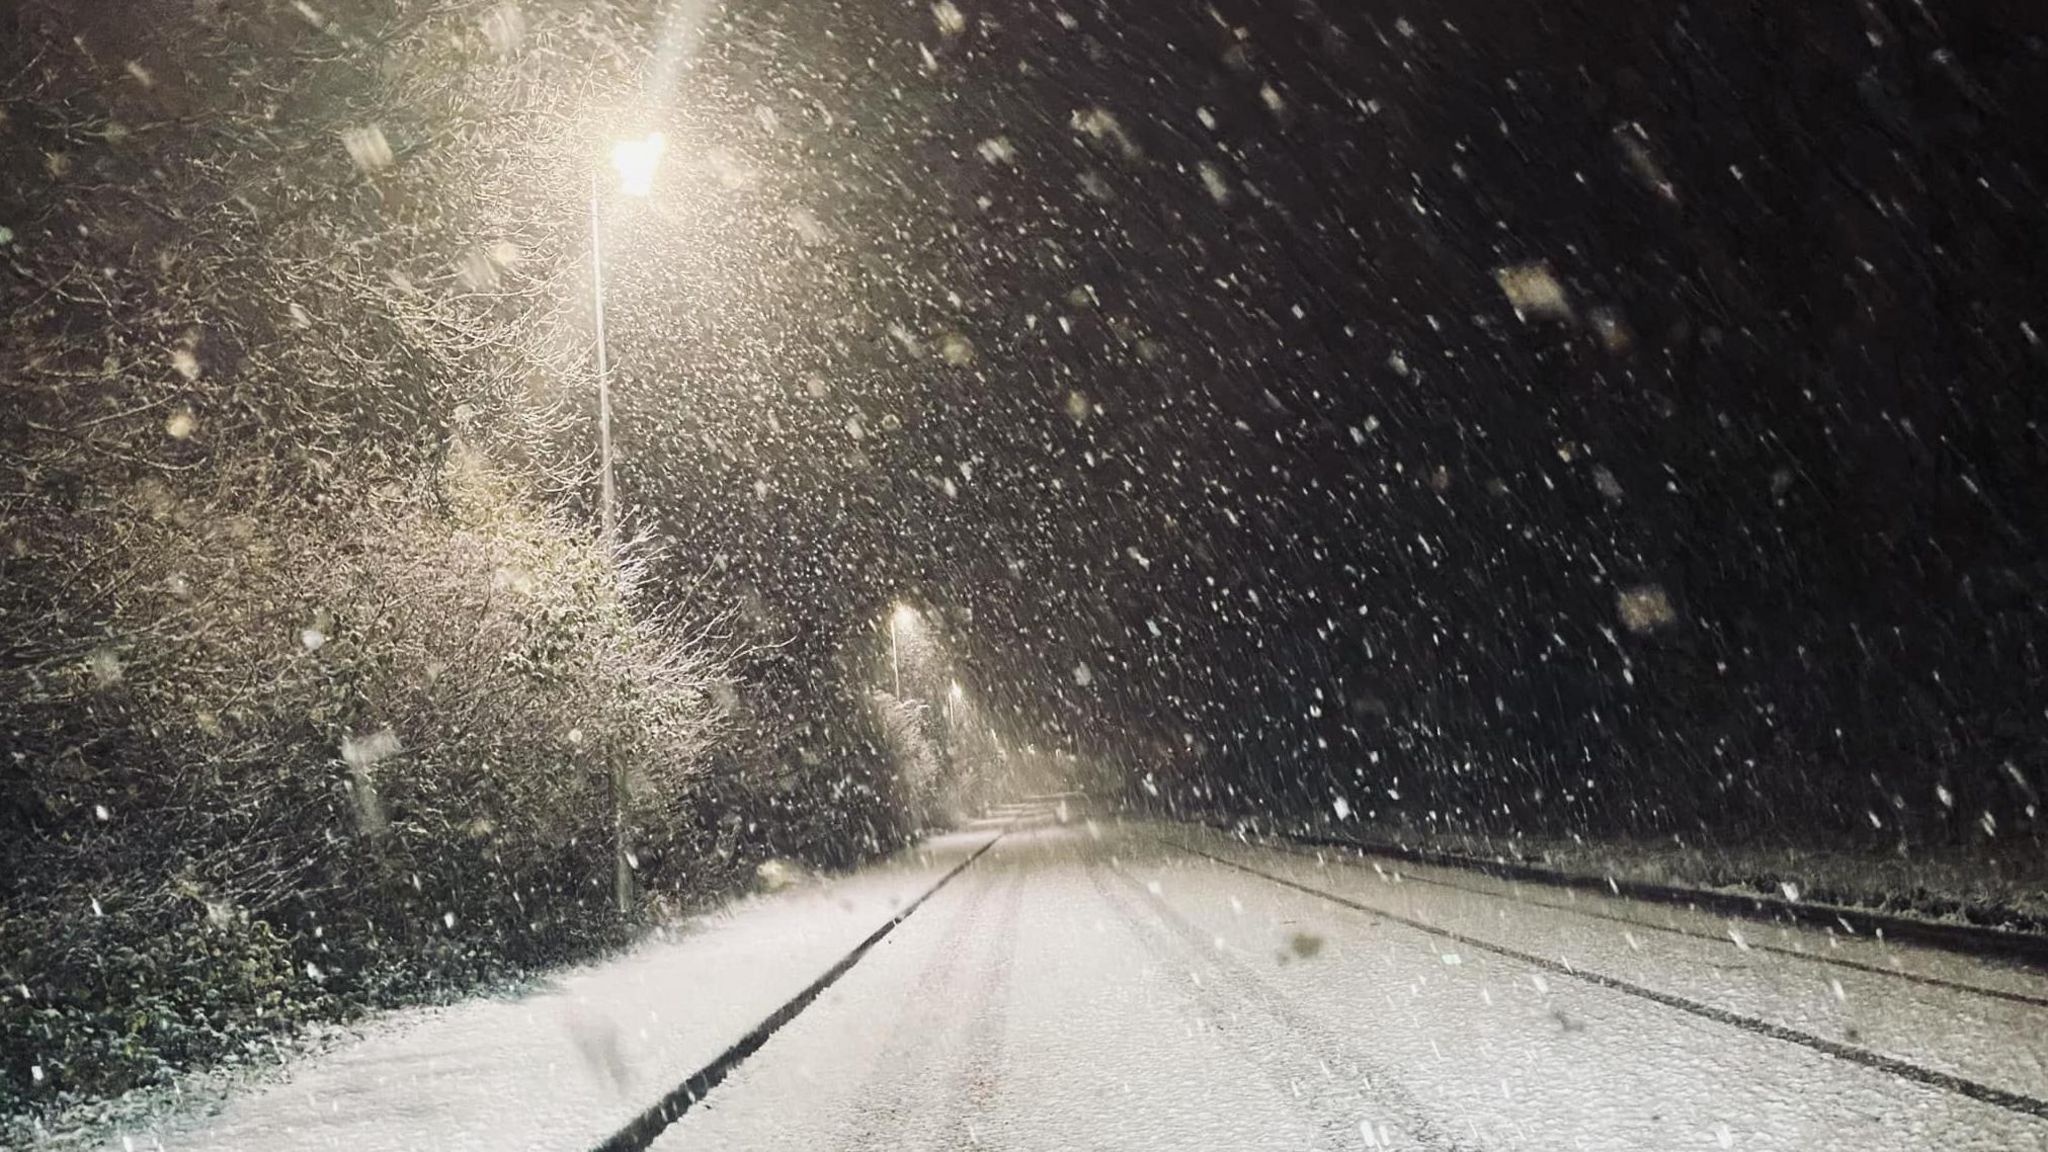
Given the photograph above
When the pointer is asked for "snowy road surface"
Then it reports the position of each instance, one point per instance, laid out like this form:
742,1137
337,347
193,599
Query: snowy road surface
1093,984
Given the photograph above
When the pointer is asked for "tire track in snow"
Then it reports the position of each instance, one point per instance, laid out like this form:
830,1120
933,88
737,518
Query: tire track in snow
895,1107
1948,1082
642,1130
1377,1097
981,1077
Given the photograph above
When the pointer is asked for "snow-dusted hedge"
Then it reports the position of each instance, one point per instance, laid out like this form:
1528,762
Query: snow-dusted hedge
274,753
312,674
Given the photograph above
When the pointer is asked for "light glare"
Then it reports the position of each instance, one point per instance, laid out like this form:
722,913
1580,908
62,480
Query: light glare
635,161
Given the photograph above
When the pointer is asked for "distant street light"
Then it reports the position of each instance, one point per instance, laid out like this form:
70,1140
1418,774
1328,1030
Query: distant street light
904,616
634,161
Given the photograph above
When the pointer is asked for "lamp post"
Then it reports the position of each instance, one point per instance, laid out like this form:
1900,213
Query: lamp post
634,161
954,695
904,614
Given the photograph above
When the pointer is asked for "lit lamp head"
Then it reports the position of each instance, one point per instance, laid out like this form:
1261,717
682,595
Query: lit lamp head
635,161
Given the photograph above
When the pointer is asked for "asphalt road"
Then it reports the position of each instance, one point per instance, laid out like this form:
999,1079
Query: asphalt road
1051,980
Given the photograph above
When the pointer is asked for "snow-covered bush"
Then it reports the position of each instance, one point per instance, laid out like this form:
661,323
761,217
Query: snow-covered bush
385,733
915,760
314,679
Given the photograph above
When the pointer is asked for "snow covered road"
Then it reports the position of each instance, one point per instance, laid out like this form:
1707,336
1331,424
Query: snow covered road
567,1066
1092,984
1097,986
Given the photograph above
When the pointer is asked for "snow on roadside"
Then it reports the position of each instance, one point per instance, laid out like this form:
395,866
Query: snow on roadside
572,1061
1999,889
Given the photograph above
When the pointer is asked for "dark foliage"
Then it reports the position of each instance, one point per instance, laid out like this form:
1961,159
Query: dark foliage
320,693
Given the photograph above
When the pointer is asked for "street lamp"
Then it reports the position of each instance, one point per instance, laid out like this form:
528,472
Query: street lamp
904,617
634,161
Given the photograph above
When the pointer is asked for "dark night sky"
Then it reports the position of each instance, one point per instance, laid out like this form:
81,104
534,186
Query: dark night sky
1251,431
1163,349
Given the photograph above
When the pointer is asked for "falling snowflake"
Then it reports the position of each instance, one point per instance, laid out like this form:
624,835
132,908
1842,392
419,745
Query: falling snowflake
1533,291
1212,179
367,148
956,349
1644,608
504,27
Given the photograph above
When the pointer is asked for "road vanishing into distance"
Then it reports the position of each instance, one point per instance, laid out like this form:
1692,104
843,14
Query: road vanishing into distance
1051,979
